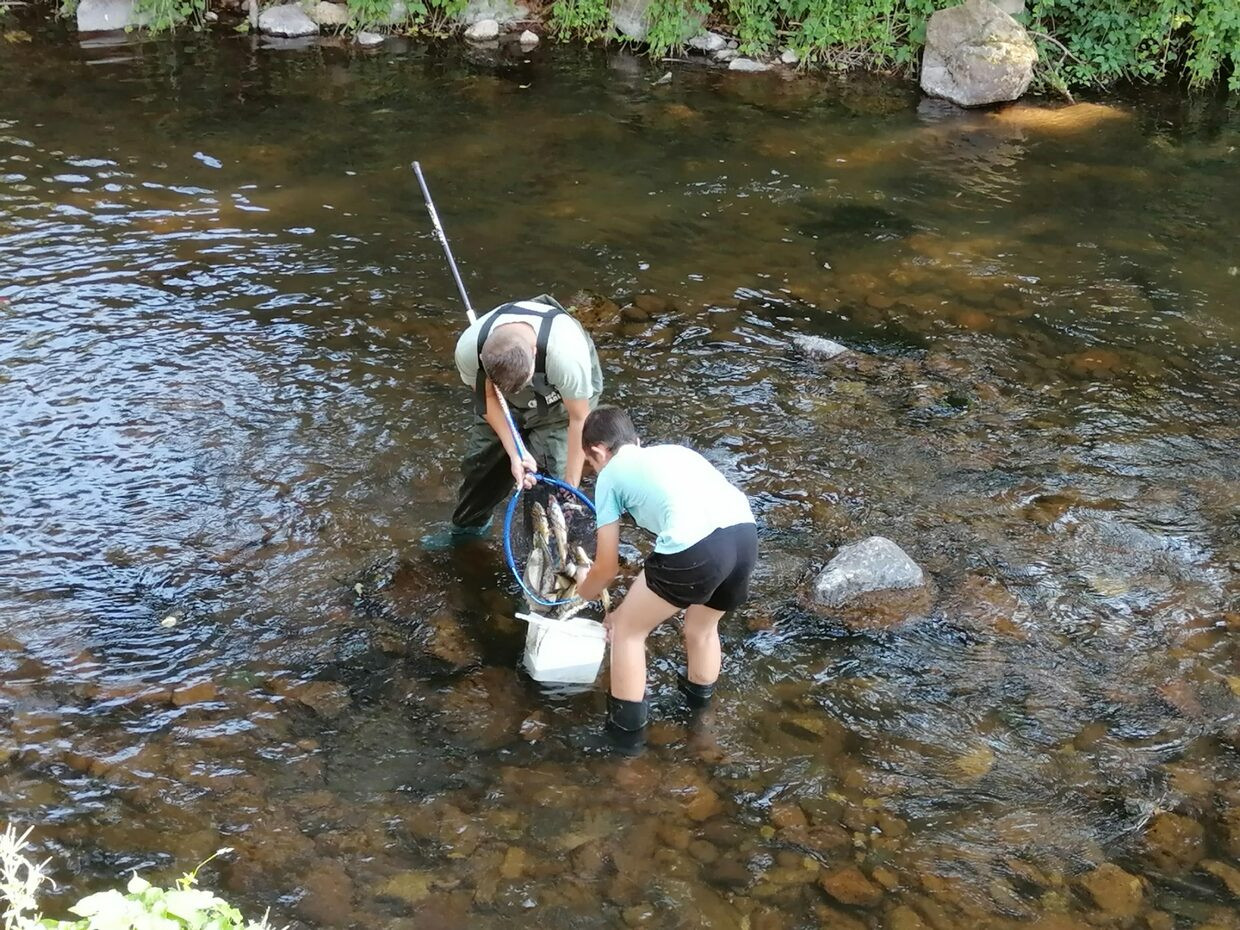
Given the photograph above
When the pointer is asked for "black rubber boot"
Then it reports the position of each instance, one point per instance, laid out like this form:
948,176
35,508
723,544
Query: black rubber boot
697,696
625,731
627,716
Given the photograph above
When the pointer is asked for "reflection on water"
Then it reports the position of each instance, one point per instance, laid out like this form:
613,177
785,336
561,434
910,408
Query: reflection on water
227,397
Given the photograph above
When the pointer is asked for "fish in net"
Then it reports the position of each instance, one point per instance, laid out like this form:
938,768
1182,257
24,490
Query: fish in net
549,532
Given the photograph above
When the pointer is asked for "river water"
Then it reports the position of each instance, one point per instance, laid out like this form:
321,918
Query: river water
226,396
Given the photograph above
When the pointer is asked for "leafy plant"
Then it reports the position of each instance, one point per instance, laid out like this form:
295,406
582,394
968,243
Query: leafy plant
581,19
165,15
143,905
422,15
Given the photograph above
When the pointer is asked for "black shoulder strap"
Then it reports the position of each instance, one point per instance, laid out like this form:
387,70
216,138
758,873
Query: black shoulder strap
539,382
480,379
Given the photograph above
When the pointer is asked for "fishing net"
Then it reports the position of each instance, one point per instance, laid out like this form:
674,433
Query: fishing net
520,534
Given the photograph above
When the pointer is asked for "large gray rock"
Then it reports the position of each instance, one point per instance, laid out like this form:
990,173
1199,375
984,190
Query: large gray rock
326,13
287,20
504,12
485,30
874,564
631,19
707,42
817,346
976,54
107,15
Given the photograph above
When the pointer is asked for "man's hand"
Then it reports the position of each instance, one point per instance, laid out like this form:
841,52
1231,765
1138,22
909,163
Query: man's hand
523,470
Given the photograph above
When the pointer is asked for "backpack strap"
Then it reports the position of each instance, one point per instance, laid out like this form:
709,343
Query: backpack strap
544,393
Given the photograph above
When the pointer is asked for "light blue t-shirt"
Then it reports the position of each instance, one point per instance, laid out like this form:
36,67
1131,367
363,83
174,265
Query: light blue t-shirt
671,491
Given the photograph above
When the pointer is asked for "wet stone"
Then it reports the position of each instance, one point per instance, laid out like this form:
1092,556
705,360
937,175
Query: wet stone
1174,843
849,885
905,918
788,815
1116,893
411,887
200,692
1227,874
328,897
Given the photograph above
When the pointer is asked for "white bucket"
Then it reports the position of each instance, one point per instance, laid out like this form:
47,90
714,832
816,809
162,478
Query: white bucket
563,651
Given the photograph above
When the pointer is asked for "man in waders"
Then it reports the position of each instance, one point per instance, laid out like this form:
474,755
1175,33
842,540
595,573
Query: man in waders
546,366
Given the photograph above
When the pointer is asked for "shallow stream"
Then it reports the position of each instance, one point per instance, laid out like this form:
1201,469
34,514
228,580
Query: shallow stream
226,396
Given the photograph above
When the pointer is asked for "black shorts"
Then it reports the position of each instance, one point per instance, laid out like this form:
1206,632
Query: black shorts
714,571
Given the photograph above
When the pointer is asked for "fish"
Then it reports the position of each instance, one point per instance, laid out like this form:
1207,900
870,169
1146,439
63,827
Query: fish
559,530
535,569
538,517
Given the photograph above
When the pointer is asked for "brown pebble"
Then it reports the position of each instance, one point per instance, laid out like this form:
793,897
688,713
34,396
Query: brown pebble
849,885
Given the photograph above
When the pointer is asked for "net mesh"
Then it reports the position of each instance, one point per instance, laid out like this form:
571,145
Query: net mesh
578,520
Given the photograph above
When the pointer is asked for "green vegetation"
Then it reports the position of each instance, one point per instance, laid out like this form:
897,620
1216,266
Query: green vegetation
1084,42
423,15
161,15
142,905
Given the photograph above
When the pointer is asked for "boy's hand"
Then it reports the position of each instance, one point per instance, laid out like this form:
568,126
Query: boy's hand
580,574
523,470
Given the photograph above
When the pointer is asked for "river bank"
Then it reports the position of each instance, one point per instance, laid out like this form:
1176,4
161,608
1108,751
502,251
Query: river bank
1087,46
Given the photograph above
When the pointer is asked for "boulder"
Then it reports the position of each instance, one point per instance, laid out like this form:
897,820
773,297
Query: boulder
789,57
707,42
107,15
976,54
287,20
326,13
631,19
818,347
528,39
369,39
485,30
874,564
504,12
747,64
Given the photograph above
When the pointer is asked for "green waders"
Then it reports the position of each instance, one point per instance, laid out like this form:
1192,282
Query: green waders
486,476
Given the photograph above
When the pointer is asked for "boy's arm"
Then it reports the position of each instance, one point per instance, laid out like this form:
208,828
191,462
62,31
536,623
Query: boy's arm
499,423
577,410
606,562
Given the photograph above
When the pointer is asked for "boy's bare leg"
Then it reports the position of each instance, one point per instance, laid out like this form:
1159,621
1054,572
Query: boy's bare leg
631,623
702,650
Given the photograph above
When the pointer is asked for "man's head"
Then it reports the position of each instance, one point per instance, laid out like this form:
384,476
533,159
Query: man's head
508,359
606,429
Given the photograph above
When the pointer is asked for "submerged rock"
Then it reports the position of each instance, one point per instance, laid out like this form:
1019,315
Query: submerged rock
287,20
818,347
107,15
849,885
976,55
369,39
1116,893
874,564
484,30
1175,843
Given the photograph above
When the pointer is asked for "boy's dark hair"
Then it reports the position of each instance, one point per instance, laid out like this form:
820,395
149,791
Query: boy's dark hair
609,427
508,361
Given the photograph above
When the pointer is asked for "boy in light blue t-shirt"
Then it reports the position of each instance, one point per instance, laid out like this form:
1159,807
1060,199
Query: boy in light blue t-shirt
706,545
